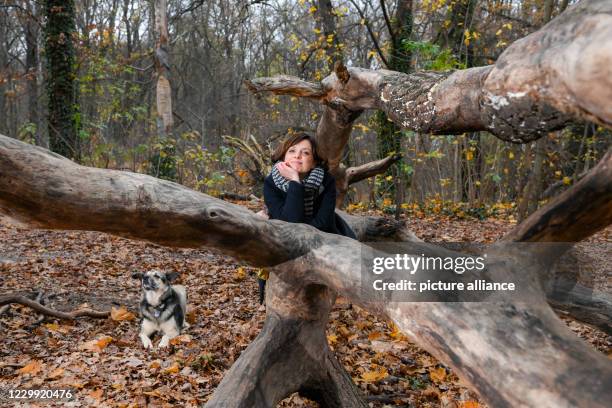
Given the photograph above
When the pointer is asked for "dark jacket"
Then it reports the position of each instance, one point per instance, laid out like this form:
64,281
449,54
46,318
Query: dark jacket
289,206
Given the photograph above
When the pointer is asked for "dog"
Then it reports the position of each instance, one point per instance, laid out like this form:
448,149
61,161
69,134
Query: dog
162,307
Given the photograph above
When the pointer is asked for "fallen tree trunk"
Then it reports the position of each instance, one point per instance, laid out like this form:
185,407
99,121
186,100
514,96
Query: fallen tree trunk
498,348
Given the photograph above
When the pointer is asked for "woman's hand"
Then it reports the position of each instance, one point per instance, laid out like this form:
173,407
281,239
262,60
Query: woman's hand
288,172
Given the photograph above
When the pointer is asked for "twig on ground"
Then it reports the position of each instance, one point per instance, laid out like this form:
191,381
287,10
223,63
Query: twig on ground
22,300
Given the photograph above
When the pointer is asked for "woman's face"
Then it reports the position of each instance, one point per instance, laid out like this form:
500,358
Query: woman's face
300,157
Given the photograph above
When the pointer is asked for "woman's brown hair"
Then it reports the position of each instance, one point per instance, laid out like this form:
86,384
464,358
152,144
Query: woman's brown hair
292,140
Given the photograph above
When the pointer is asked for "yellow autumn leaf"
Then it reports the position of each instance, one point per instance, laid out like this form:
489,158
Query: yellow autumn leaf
469,155
97,345
511,155
103,342
396,333
437,374
173,369
344,332
52,326
155,365
567,181
33,367
240,274
121,314
469,404
375,375
332,339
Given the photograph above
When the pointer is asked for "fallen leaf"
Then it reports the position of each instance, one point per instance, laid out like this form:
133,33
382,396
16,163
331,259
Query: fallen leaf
57,373
396,333
344,332
375,375
240,274
173,369
33,367
52,326
191,317
332,339
121,314
381,346
97,345
97,394
374,335
469,404
437,374
183,338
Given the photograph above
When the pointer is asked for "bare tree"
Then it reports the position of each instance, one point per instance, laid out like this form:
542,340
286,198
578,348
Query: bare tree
162,68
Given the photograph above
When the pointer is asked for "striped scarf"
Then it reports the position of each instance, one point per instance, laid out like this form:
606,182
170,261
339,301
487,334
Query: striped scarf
313,186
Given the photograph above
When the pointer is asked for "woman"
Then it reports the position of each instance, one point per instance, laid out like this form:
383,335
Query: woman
299,189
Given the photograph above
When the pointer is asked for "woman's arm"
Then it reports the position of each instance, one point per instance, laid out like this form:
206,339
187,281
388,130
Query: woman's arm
324,218
288,208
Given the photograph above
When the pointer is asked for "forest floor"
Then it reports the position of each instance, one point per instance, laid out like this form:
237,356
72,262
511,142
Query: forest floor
103,359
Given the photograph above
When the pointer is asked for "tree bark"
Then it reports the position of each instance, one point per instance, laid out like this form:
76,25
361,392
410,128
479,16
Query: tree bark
162,68
290,354
62,88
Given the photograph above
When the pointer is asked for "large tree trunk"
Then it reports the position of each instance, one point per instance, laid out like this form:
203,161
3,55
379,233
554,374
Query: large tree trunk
62,88
290,354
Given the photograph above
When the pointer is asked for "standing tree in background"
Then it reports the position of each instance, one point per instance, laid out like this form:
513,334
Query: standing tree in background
399,59
163,163
62,88
162,69
530,196
330,41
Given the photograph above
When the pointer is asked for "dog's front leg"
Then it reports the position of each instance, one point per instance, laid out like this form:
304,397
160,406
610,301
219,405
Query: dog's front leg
146,330
170,330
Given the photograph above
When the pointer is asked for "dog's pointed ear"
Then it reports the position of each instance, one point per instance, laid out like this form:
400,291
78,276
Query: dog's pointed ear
137,275
171,276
